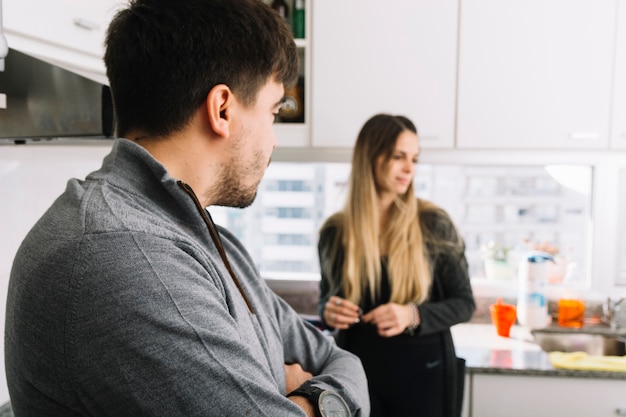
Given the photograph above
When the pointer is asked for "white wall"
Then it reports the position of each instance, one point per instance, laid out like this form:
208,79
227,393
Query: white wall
31,177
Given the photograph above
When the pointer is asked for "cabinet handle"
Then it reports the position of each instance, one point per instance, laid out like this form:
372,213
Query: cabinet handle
620,411
584,135
86,24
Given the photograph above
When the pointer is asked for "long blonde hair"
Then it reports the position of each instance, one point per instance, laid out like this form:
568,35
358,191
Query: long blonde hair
407,261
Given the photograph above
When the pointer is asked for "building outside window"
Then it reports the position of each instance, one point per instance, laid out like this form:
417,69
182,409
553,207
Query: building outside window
492,205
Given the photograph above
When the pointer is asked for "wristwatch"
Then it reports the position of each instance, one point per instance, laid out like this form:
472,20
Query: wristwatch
326,403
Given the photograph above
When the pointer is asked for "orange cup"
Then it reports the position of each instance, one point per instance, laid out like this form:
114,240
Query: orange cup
503,317
571,313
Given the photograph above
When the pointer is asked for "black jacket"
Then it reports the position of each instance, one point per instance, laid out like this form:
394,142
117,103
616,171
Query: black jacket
450,301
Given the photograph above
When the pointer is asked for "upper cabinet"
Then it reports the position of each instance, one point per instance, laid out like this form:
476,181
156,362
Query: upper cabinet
535,74
372,56
618,128
471,74
68,33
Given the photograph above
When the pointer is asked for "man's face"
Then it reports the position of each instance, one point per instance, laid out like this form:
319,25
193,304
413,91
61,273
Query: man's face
253,140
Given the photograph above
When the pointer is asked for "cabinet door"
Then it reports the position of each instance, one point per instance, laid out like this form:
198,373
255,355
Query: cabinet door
465,410
523,396
373,57
68,33
535,74
618,130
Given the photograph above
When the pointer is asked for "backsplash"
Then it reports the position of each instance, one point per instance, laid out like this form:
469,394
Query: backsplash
302,296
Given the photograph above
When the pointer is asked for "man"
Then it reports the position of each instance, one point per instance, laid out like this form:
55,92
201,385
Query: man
125,299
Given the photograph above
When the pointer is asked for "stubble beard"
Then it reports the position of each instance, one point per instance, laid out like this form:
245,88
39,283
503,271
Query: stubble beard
231,190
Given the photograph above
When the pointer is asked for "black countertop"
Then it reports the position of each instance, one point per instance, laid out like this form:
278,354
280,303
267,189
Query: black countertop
487,353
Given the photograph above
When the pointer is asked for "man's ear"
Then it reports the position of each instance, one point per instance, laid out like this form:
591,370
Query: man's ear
218,103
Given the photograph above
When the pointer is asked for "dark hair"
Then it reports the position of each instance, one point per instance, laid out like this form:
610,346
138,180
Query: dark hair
378,137
164,56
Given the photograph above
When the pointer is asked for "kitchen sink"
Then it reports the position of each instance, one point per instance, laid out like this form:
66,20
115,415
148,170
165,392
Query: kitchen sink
579,341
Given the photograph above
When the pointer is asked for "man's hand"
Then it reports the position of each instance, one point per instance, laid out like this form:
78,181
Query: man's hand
305,404
295,376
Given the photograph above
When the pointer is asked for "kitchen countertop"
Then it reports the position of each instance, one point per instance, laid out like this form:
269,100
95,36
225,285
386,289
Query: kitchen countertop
487,353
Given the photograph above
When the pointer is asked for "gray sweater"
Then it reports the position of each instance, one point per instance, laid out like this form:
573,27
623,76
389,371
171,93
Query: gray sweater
120,305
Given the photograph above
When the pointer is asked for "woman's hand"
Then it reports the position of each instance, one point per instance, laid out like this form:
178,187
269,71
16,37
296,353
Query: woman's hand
341,313
391,319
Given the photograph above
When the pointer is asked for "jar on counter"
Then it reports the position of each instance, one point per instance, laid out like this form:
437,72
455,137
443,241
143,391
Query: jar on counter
571,310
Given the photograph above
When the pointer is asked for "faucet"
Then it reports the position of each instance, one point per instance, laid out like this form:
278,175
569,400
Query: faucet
4,50
615,313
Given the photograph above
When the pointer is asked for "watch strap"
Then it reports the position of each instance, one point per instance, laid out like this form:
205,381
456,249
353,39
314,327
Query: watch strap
312,394
306,391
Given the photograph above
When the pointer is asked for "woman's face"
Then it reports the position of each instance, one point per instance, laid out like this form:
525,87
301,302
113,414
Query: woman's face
395,178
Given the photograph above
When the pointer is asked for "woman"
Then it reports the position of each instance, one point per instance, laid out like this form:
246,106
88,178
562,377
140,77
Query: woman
395,278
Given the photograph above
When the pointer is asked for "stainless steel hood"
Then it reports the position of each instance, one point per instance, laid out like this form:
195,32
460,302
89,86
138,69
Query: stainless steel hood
45,102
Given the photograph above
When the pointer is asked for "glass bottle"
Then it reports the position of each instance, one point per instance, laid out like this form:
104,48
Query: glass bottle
292,110
297,23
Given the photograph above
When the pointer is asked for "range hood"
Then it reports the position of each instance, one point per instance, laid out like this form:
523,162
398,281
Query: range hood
45,102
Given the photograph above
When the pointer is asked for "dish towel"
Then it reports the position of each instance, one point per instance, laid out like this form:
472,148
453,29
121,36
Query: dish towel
585,362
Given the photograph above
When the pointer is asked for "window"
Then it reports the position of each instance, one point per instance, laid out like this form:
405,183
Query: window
509,206
288,239
621,244
288,185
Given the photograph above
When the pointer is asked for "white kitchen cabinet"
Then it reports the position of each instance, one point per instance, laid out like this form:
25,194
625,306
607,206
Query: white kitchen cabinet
68,33
465,410
521,395
371,56
535,74
618,130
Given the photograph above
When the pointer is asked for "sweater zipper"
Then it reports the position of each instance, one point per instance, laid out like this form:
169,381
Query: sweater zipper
216,240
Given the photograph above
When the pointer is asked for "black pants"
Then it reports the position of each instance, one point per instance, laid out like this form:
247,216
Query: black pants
406,377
